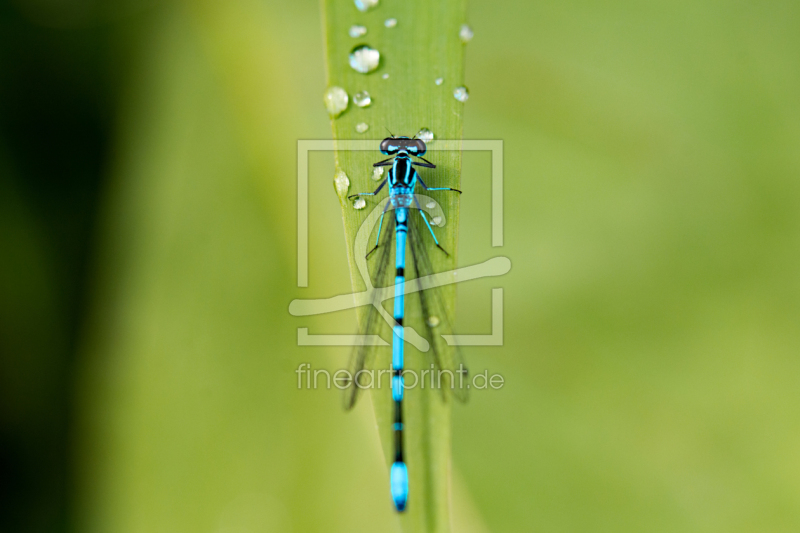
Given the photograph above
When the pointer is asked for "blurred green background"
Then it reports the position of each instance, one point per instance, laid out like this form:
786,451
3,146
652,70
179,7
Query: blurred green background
147,233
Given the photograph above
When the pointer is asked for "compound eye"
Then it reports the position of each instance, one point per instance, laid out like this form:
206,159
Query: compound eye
385,146
420,147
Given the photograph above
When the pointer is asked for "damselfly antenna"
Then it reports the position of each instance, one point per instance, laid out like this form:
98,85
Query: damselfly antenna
390,132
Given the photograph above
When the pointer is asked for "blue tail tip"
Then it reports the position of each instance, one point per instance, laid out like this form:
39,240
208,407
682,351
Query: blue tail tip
399,482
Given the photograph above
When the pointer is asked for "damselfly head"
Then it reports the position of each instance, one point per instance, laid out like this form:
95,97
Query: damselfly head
394,145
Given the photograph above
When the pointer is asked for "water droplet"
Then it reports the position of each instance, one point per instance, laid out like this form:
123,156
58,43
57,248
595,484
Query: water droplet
385,76
335,99
362,99
439,81
437,221
364,59
390,23
357,30
365,5
360,203
425,134
461,94
465,34
430,205
341,182
377,173
433,321
361,127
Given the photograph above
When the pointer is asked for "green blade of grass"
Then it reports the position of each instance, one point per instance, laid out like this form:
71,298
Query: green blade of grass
423,46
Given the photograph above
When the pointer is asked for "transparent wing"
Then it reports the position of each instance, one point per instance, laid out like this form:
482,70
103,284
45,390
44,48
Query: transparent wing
436,317
374,322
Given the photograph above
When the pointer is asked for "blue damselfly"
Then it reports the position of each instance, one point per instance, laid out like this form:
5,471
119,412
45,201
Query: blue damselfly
410,228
